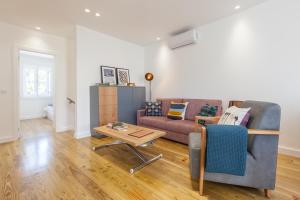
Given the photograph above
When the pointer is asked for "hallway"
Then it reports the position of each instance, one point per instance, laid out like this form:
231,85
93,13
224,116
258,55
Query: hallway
35,127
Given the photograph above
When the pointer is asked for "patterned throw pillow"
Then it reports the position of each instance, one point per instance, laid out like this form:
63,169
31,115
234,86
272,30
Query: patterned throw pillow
207,111
153,109
235,116
177,111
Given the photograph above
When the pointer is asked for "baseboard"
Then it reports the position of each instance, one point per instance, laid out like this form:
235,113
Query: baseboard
64,129
31,117
289,151
8,139
82,134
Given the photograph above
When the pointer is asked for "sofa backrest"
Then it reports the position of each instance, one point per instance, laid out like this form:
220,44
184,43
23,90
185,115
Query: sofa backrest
263,115
193,108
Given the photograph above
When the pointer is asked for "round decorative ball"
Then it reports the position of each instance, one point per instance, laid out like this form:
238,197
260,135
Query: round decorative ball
149,76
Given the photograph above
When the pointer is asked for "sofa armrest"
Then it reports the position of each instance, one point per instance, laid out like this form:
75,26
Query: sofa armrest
140,113
262,132
212,120
264,151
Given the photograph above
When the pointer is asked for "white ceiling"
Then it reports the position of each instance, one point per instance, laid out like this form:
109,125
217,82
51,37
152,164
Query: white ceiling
137,21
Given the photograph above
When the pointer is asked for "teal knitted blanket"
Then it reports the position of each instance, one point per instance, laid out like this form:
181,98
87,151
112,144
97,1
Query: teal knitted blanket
226,149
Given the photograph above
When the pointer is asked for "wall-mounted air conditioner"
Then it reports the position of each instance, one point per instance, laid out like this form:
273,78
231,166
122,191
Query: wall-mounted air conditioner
183,39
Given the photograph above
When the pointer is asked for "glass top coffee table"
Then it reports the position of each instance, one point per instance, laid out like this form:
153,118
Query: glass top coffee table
133,139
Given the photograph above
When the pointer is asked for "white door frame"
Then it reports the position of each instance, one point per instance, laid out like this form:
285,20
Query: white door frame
16,83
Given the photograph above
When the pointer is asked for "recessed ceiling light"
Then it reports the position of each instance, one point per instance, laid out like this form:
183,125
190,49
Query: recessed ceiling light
38,28
97,14
158,38
87,10
237,7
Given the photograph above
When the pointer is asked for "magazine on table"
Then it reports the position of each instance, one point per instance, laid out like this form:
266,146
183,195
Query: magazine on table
119,126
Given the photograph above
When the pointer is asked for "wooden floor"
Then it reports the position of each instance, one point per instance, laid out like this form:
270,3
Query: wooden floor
46,165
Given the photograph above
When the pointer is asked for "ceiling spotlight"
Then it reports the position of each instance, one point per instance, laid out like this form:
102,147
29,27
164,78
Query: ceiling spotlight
237,7
38,28
97,14
87,10
158,38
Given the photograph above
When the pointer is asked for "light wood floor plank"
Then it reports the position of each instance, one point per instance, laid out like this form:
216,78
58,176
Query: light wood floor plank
44,165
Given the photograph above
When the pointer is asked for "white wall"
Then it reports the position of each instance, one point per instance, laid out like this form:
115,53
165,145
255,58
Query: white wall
251,55
12,38
93,50
71,86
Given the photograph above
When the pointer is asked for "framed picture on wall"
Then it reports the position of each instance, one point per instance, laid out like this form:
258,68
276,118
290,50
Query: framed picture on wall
108,75
123,76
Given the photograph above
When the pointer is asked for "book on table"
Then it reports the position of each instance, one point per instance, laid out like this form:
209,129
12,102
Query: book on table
123,127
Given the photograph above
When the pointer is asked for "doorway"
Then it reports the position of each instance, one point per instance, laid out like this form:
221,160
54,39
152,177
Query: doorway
36,100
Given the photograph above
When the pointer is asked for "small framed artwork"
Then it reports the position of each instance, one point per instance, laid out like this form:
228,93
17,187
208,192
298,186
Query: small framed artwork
108,75
123,76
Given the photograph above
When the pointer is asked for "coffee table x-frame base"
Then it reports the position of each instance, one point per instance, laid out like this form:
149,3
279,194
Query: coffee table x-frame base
145,160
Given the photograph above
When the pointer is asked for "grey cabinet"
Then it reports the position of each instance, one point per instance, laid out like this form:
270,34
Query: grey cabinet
130,99
94,108
118,103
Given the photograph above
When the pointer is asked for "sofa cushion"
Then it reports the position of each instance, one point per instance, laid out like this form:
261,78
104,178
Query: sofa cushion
195,106
181,126
153,109
235,116
177,111
165,104
207,111
158,122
